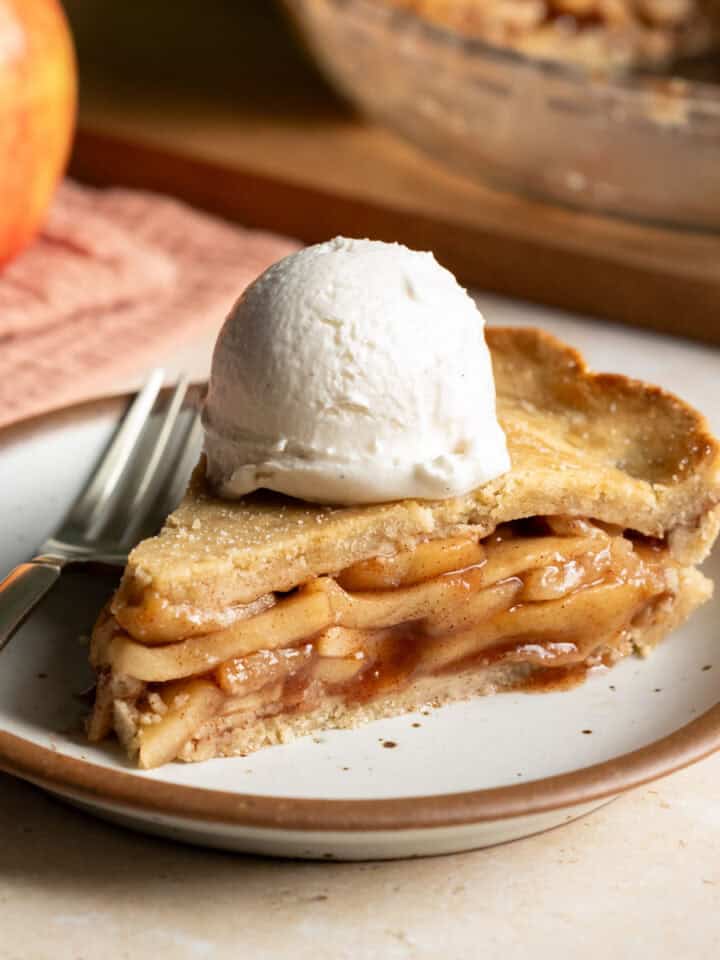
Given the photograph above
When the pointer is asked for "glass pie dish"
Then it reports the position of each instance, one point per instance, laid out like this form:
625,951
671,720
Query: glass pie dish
643,146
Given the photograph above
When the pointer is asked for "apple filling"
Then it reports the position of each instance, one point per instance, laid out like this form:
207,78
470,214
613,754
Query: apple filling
554,596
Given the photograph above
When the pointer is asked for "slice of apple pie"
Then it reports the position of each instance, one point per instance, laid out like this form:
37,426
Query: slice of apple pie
246,623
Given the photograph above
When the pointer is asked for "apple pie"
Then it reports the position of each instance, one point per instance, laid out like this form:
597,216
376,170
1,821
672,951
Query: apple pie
247,623
597,35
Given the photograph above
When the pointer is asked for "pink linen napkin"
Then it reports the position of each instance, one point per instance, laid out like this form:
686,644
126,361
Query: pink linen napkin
114,283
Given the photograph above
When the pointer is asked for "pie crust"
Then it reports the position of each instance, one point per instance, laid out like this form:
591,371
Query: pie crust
245,623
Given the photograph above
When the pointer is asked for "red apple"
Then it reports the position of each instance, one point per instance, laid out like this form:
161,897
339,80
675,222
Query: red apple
37,114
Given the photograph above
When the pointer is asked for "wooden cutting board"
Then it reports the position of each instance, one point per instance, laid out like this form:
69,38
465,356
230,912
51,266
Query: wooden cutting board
215,103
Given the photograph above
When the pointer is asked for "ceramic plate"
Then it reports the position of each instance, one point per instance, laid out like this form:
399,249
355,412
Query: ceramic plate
466,776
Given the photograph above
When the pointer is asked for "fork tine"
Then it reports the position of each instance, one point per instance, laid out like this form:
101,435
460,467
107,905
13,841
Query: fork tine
88,508
145,492
178,472
185,463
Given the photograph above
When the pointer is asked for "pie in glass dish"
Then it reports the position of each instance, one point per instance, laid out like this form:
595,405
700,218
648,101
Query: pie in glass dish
249,622
596,35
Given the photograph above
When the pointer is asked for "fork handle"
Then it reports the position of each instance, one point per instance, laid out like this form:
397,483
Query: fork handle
21,590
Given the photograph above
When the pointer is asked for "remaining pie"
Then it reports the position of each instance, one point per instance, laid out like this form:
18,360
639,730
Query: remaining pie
595,34
246,623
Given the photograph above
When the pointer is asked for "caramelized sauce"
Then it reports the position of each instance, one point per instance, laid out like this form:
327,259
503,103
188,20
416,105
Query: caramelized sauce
654,544
398,663
298,688
393,668
548,679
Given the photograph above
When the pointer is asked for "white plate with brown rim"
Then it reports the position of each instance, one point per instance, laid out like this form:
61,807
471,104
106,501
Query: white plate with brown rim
468,775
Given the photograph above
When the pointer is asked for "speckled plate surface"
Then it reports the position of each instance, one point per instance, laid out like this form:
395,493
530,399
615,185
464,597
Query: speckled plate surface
466,776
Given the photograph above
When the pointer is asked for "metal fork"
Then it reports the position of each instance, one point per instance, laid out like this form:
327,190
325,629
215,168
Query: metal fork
139,479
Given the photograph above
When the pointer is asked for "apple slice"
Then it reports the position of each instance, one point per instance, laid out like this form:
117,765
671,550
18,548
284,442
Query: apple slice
553,631
337,670
290,621
339,641
387,608
425,561
566,526
260,700
189,704
511,558
243,675
475,610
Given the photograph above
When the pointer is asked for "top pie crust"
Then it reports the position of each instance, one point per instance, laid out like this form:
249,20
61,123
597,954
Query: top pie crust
585,444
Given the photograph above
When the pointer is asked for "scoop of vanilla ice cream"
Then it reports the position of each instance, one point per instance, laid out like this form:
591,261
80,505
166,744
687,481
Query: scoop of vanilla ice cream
353,372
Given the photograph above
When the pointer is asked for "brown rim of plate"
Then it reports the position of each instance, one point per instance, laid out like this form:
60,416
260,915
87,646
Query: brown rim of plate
90,782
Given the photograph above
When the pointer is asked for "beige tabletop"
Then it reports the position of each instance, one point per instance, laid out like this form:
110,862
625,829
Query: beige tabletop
640,877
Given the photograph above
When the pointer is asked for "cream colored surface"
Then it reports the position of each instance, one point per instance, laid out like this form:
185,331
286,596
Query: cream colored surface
639,877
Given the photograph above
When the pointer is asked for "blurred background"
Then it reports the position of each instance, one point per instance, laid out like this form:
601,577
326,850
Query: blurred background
500,133
562,151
